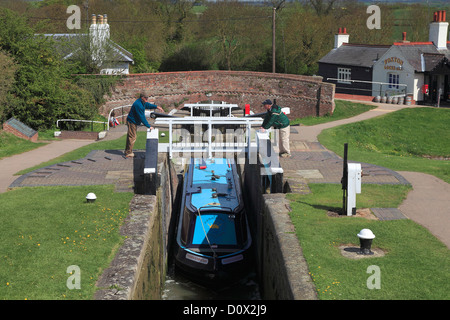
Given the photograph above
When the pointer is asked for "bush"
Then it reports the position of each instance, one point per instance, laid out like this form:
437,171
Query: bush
43,90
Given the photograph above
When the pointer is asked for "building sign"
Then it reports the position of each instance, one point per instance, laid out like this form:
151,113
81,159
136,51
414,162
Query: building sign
387,62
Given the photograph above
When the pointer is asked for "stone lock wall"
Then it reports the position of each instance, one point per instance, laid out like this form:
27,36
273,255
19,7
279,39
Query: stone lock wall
281,267
138,269
306,96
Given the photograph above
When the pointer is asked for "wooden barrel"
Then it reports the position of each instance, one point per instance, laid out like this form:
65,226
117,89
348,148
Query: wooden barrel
401,100
383,99
389,100
377,99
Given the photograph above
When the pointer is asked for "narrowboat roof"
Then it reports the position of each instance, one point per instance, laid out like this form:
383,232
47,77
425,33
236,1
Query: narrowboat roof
213,185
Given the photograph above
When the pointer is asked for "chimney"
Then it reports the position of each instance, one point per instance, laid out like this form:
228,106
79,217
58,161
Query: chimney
404,37
99,27
99,34
340,38
439,30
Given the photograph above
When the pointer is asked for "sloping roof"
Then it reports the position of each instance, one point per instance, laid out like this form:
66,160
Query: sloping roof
69,44
431,61
355,55
423,56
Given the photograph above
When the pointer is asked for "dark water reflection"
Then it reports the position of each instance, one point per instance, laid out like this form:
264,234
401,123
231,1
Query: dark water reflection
178,287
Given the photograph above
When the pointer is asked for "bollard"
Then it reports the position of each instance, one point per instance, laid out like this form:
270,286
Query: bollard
91,197
365,238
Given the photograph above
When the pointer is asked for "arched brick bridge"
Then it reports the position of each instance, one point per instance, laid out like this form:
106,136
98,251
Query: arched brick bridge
306,96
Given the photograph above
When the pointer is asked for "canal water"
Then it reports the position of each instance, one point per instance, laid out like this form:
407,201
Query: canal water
178,287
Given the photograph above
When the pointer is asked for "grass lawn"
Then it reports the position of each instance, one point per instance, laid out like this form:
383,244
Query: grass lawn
415,265
10,144
406,140
45,230
343,110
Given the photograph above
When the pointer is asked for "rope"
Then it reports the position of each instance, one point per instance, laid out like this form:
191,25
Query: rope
204,231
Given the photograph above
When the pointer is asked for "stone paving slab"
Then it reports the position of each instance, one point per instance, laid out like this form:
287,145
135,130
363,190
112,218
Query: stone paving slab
315,164
388,213
98,167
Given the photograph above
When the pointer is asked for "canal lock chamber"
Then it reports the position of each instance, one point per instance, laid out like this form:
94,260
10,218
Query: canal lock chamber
143,267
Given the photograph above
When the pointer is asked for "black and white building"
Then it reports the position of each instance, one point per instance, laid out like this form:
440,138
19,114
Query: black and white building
420,70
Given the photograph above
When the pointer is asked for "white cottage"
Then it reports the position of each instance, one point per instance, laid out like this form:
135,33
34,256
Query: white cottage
103,52
420,70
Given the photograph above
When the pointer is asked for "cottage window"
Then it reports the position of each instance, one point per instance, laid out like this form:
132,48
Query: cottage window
394,79
344,75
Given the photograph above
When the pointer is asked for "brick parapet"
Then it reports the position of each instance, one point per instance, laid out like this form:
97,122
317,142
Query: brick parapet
306,96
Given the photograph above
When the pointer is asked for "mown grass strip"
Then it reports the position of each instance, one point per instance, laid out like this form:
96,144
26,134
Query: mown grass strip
45,230
415,139
415,265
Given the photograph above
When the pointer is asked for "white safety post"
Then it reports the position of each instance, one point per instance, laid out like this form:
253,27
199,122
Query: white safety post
354,186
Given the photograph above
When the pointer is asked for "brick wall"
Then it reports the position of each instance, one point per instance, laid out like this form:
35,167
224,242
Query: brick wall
305,95
17,133
88,135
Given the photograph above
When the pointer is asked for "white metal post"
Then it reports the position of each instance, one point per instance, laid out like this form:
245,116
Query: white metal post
353,186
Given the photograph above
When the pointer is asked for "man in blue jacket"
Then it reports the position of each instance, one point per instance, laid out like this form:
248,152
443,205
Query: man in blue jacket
136,117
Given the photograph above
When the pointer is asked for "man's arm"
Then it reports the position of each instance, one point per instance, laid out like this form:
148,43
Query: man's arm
268,120
149,105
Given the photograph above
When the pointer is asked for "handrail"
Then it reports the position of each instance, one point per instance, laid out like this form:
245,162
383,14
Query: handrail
210,122
122,115
403,90
120,107
210,107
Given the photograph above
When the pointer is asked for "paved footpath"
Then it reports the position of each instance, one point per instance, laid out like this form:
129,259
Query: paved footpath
428,203
11,165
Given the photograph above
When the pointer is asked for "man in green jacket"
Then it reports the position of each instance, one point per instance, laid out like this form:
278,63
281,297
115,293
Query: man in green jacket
277,119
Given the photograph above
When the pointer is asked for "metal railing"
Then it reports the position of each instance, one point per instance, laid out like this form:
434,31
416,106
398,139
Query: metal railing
243,141
392,91
260,145
243,137
211,107
122,113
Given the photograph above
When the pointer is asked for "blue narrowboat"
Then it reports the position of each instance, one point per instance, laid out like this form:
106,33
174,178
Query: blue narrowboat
213,241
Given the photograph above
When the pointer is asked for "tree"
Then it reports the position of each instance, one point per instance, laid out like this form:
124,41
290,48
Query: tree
7,70
137,26
236,32
307,39
354,18
42,91
322,7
